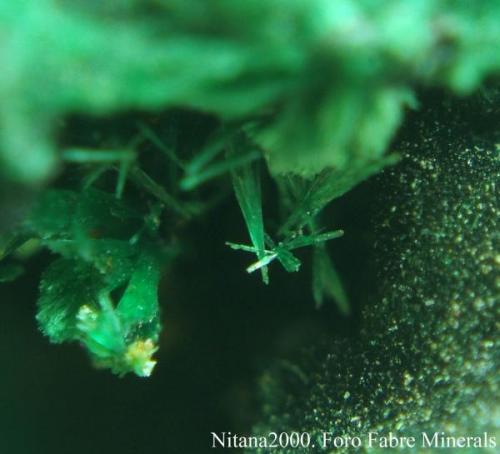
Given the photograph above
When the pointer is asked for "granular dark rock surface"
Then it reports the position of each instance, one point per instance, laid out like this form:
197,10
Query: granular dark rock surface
427,356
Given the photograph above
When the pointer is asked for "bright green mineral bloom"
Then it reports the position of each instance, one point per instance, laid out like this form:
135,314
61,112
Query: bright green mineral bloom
327,80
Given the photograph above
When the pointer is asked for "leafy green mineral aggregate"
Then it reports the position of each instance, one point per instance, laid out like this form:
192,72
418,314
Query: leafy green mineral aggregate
93,231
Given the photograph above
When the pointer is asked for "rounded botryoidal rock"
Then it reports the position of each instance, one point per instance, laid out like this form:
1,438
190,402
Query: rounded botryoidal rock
427,357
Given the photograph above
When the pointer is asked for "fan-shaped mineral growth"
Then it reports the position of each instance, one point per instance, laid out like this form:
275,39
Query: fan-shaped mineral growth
427,357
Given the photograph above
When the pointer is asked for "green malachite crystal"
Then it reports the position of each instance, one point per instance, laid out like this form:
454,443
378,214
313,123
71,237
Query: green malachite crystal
75,301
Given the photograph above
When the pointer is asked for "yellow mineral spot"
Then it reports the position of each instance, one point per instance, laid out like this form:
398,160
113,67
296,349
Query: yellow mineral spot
86,314
139,357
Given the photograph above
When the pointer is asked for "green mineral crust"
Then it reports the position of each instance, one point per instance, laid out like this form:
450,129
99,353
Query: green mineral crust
427,356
